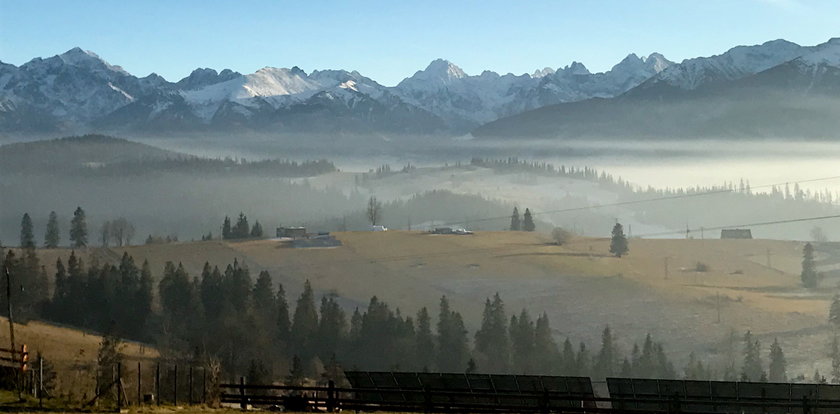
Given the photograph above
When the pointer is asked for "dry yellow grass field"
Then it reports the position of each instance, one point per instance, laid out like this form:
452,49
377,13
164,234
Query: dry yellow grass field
72,353
579,285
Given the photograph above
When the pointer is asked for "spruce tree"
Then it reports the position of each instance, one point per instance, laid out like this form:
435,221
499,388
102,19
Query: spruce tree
809,271
304,323
332,328
226,230
78,229
425,342
607,357
27,237
751,370
545,358
568,360
778,365
834,312
60,292
452,353
492,344
528,221
522,331
241,230
458,345
145,297
257,230
515,224
618,243
583,361
213,294
284,325
265,305
52,236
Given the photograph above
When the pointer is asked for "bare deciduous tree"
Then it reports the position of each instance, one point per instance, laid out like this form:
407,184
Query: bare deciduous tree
374,211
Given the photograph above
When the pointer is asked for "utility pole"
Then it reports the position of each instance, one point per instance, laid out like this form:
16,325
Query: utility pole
11,324
768,258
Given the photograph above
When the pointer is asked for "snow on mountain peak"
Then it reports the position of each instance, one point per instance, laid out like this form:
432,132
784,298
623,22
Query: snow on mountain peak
539,73
442,69
827,53
85,58
76,55
733,64
351,84
657,62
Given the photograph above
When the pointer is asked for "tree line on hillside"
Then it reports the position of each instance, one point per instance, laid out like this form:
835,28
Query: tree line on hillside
227,166
119,231
526,223
240,230
52,236
786,192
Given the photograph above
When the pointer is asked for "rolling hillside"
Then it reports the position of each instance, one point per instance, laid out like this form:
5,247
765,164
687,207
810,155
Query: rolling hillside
71,352
578,285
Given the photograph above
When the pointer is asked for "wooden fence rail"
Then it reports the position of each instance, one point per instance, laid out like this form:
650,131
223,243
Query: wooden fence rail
331,398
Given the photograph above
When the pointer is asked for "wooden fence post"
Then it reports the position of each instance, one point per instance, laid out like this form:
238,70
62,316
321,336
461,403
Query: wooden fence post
427,400
544,402
204,385
139,390
41,381
243,403
331,396
175,387
118,384
190,381
157,383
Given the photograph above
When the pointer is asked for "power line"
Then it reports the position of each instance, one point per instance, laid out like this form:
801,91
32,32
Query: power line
758,224
654,199
397,258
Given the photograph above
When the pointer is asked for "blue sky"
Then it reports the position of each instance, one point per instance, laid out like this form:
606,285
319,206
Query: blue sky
390,40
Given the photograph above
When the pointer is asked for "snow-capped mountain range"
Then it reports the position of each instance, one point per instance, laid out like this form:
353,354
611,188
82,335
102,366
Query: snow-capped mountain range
777,89
78,91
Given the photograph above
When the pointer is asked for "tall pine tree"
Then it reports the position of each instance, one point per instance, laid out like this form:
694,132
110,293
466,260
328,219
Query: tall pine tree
452,352
809,270
492,345
515,223
607,358
425,342
618,242
834,312
78,229
752,369
304,324
226,229
528,221
522,343
27,237
545,358
52,236
778,365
